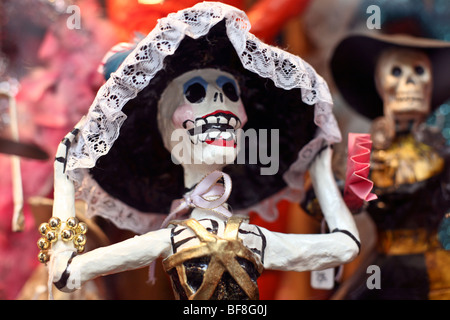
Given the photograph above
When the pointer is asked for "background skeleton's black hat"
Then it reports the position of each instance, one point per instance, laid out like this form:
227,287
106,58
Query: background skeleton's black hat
354,61
119,163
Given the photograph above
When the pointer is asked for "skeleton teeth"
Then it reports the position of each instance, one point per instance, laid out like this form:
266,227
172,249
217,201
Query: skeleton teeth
225,135
223,120
200,122
409,98
232,122
189,124
202,137
194,139
211,119
214,134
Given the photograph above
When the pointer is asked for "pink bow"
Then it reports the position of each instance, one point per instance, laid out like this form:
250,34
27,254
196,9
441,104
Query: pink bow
199,197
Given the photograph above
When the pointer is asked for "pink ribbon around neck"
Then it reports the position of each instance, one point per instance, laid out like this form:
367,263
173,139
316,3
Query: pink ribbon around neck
200,196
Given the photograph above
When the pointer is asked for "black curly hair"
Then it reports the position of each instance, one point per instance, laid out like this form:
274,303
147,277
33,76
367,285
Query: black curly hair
138,170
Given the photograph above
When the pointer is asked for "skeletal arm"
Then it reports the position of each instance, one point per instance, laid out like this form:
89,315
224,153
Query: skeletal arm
64,202
130,254
335,211
301,252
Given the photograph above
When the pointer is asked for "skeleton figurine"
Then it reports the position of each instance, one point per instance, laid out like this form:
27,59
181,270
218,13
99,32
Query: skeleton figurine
189,91
398,84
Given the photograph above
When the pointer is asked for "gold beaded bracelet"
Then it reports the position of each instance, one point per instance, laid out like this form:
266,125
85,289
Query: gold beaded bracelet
52,231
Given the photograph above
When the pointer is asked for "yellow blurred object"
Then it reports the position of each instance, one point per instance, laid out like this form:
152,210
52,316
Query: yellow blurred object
405,162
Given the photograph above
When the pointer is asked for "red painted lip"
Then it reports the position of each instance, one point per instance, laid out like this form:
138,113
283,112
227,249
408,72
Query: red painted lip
222,143
219,111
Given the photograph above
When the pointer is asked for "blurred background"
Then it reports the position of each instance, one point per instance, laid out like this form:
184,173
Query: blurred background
50,51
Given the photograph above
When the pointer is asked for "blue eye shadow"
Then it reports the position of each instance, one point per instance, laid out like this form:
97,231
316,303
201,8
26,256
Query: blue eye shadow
190,82
224,79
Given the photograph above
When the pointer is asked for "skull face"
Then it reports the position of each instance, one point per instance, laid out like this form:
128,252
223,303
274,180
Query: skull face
404,82
198,116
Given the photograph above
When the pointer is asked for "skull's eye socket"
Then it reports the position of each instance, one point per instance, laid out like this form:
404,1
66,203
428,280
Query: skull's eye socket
230,91
419,70
396,71
195,93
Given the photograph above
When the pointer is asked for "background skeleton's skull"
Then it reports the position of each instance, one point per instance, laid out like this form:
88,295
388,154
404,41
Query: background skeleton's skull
198,117
404,82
